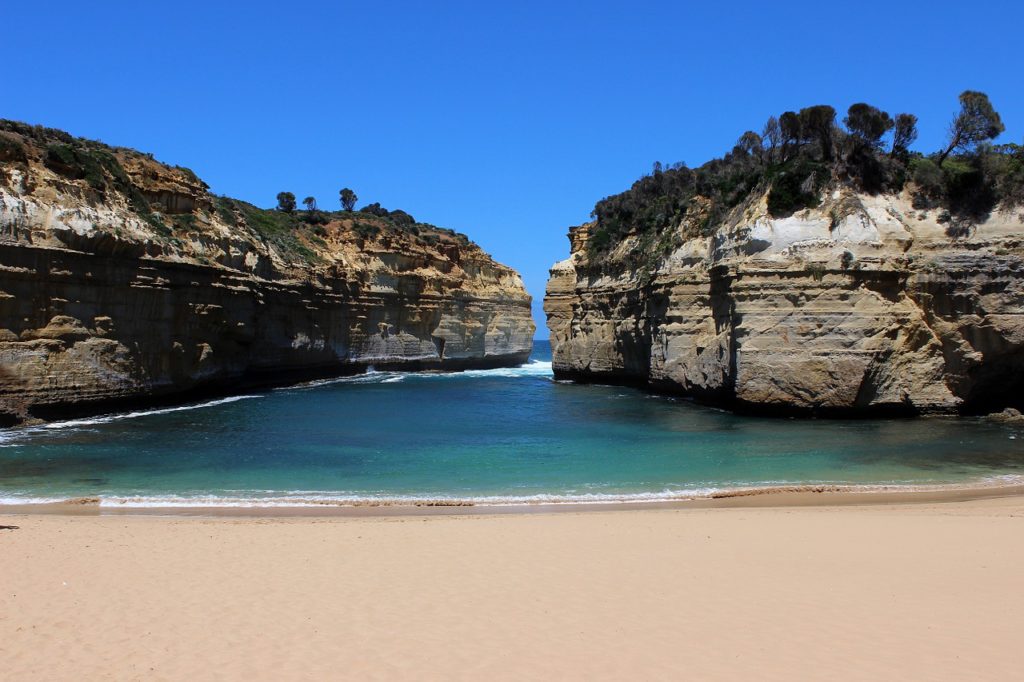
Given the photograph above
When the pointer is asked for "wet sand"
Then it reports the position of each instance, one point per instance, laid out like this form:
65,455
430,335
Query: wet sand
881,590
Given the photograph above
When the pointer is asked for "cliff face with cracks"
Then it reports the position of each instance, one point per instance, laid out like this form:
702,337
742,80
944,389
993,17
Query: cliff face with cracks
124,281
862,304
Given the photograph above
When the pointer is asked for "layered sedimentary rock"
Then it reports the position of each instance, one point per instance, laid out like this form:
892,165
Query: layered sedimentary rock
861,304
123,280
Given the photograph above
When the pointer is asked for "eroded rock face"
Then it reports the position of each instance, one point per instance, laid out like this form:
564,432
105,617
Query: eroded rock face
102,306
878,310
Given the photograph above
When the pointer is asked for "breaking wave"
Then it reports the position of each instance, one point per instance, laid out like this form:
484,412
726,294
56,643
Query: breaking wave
531,369
320,499
11,436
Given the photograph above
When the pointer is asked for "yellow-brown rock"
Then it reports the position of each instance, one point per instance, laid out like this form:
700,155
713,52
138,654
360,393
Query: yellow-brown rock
123,281
881,311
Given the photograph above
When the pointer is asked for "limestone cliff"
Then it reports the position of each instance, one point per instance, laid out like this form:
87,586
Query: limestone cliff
123,280
862,303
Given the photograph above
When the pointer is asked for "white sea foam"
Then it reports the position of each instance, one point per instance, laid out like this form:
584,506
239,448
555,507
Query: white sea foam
12,436
351,500
29,499
534,368
313,499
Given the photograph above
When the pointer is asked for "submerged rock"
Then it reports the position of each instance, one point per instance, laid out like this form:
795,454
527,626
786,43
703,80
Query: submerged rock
1009,415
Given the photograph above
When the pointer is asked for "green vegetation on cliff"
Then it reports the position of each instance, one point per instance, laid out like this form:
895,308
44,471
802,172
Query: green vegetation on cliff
800,154
174,202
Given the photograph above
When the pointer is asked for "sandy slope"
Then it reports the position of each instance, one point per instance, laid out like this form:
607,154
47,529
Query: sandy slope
930,591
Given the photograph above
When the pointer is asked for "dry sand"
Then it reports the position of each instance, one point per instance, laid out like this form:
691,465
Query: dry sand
930,591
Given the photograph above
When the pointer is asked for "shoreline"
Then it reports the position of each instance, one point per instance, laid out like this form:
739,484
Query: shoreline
253,381
812,495
856,592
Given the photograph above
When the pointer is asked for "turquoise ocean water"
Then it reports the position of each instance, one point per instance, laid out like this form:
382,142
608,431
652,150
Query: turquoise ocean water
485,436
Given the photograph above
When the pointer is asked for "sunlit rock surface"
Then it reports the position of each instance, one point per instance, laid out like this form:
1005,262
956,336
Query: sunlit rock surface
104,304
871,308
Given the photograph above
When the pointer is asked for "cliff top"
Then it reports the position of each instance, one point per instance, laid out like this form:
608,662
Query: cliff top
801,157
82,194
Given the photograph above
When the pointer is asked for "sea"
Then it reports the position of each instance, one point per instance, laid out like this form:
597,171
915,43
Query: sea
487,437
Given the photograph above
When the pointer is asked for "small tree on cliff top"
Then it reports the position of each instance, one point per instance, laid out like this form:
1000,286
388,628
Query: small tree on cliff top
976,122
285,202
348,199
816,123
904,134
867,123
310,204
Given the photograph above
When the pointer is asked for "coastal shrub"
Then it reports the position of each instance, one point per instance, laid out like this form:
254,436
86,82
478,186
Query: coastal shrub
365,230
12,150
401,218
927,177
816,271
315,217
100,169
1005,166
225,208
375,209
277,228
188,173
599,240
37,133
795,185
970,194
62,159
185,222
799,155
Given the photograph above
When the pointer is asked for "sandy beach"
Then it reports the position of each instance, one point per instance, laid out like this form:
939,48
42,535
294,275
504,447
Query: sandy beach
926,591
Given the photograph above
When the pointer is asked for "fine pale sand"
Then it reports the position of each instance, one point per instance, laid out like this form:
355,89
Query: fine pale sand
929,591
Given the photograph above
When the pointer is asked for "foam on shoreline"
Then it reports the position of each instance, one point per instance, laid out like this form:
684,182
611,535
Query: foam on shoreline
272,500
12,435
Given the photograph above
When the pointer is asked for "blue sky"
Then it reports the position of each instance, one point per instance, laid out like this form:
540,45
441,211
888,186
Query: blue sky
506,121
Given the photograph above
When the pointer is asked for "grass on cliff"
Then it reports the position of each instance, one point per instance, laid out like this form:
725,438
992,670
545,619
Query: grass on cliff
278,228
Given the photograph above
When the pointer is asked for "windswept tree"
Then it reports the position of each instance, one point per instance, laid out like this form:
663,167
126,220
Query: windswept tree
867,124
285,202
310,204
976,122
348,199
904,133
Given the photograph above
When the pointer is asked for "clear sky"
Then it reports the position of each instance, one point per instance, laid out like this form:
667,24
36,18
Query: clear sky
506,121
